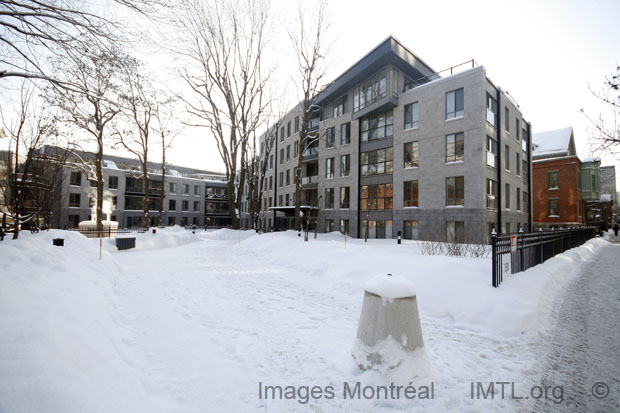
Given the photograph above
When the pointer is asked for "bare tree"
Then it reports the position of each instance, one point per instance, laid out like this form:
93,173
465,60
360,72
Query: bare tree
605,131
139,106
311,48
225,44
93,103
166,130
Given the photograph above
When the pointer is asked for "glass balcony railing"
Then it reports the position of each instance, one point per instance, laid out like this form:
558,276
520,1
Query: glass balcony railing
313,124
314,179
310,153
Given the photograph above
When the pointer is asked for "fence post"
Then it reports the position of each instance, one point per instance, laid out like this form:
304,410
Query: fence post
494,258
542,249
522,263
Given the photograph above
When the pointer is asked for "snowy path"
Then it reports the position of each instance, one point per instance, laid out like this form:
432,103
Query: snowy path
585,348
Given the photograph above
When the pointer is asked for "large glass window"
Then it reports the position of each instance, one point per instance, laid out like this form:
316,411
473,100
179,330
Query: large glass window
411,230
345,133
344,226
76,179
554,179
329,168
376,229
411,193
455,231
491,151
455,147
491,110
74,200
329,198
491,194
345,165
412,115
455,190
329,225
377,162
370,91
554,207
340,106
113,182
377,197
330,139
377,127
412,155
344,197
454,104
172,205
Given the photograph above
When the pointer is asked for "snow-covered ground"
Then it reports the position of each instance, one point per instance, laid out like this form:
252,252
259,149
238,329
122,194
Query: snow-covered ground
194,323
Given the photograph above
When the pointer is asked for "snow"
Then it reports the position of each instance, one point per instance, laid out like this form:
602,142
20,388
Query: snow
390,286
109,164
591,159
552,142
194,322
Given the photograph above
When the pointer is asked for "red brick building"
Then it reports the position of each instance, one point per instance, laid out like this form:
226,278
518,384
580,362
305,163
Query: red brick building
556,180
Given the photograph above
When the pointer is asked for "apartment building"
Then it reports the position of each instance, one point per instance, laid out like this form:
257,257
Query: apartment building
557,179
191,196
404,149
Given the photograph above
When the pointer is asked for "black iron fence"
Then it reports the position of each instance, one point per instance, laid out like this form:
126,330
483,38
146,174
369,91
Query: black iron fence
107,232
518,252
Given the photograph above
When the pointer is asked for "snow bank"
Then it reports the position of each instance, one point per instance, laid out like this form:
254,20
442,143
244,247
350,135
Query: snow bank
63,347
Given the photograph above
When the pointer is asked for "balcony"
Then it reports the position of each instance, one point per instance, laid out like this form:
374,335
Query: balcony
313,125
310,153
138,190
310,180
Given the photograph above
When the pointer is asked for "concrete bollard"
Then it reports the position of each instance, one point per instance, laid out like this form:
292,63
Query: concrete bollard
389,323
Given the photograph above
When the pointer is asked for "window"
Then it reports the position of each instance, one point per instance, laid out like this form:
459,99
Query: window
114,203
74,200
377,127
288,177
113,182
491,194
270,202
171,220
491,110
518,199
196,190
455,191
329,168
526,202
454,104
344,226
282,134
377,162
280,200
507,119
330,139
376,229
345,133
411,230
455,147
518,129
340,106
344,197
172,188
281,180
554,179
411,115
91,202
288,153
377,197
172,205
288,129
74,221
270,182
526,172
287,199
329,198
184,205
491,151
507,157
92,183
411,193
76,178
296,124
295,149
281,156
196,206
554,207
455,231
345,165
507,225
185,189
507,196
329,225
271,161
518,165
370,91
411,155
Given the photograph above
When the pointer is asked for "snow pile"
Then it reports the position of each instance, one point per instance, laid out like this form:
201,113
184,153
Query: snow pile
390,286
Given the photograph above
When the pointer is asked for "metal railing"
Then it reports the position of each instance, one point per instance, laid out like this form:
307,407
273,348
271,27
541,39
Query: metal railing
518,252
425,79
107,232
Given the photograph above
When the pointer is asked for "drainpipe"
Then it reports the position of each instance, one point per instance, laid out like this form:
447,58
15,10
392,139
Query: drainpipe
275,179
500,149
359,188
530,219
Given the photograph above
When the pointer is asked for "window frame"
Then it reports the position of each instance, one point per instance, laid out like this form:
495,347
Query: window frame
453,108
458,186
458,142
411,194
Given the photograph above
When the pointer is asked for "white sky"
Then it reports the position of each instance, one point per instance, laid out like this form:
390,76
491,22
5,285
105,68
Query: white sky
544,53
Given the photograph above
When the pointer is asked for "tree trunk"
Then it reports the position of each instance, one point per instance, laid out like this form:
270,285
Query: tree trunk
99,172
162,195
145,189
16,194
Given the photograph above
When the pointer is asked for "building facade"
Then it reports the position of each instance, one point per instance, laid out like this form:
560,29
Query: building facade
402,149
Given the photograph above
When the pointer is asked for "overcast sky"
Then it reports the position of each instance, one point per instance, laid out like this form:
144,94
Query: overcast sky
544,53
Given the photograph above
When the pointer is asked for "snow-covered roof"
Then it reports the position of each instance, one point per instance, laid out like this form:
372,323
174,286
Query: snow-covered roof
109,164
591,159
558,142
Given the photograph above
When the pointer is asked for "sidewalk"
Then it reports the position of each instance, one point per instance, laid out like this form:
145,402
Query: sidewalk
584,352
